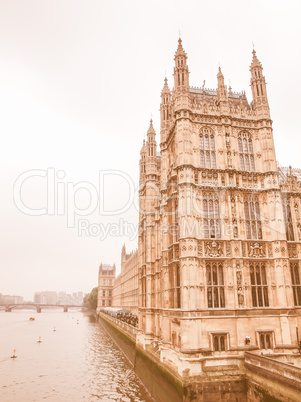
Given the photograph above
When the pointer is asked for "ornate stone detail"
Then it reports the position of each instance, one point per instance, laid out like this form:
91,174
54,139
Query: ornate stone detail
296,206
243,246
177,252
213,249
228,249
240,294
292,251
200,249
270,250
256,250
299,230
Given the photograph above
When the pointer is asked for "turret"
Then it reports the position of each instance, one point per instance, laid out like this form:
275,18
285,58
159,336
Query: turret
258,86
166,110
142,162
221,88
123,255
151,145
181,73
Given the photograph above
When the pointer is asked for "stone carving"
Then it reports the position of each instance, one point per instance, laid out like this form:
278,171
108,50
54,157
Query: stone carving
299,230
240,294
213,249
235,230
296,206
177,252
292,251
255,250
243,246
270,250
200,249
228,249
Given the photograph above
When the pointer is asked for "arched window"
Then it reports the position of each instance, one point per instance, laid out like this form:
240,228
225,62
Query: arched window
252,217
215,284
207,149
246,153
259,287
265,339
211,217
288,219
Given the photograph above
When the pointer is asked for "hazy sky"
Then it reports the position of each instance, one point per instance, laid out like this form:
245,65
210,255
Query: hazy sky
79,81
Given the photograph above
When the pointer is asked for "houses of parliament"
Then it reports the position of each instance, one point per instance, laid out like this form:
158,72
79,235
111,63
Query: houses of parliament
216,276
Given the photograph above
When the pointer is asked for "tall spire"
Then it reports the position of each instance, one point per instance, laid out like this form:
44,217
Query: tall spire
165,110
258,86
255,61
151,144
181,74
220,81
165,89
221,91
151,131
180,51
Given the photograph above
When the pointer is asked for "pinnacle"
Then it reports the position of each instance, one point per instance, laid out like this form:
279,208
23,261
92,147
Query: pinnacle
255,61
151,129
220,74
165,87
180,51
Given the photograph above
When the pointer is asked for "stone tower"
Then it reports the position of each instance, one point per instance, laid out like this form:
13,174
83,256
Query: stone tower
220,230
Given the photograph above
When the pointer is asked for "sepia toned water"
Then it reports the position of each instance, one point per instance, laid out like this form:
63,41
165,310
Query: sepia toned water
78,361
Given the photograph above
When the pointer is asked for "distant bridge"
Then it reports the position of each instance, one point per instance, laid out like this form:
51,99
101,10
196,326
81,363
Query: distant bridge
38,306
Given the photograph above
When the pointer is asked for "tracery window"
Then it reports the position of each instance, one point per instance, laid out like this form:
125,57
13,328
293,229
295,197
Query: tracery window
219,342
246,153
177,223
143,288
215,284
295,273
207,149
259,287
265,339
175,283
211,217
288,219
178,290
252,217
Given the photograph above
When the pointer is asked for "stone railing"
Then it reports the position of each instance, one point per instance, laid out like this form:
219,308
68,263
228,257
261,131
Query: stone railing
279,371
129,329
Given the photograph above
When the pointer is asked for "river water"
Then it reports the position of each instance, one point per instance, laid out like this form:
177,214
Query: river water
78,361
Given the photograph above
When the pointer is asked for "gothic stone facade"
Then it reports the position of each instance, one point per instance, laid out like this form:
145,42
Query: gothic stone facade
106,277
220,228
125,291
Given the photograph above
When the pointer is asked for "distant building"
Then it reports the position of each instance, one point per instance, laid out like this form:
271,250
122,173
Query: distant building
106,279
125,291
46,297
8,299
61,298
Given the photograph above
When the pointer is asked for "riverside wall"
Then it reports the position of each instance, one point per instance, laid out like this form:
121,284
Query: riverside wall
162,385
257,378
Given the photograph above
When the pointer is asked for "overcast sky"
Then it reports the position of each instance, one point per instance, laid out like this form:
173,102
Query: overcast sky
79,81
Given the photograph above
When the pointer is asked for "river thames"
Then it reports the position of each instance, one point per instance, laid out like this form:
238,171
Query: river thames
76,361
